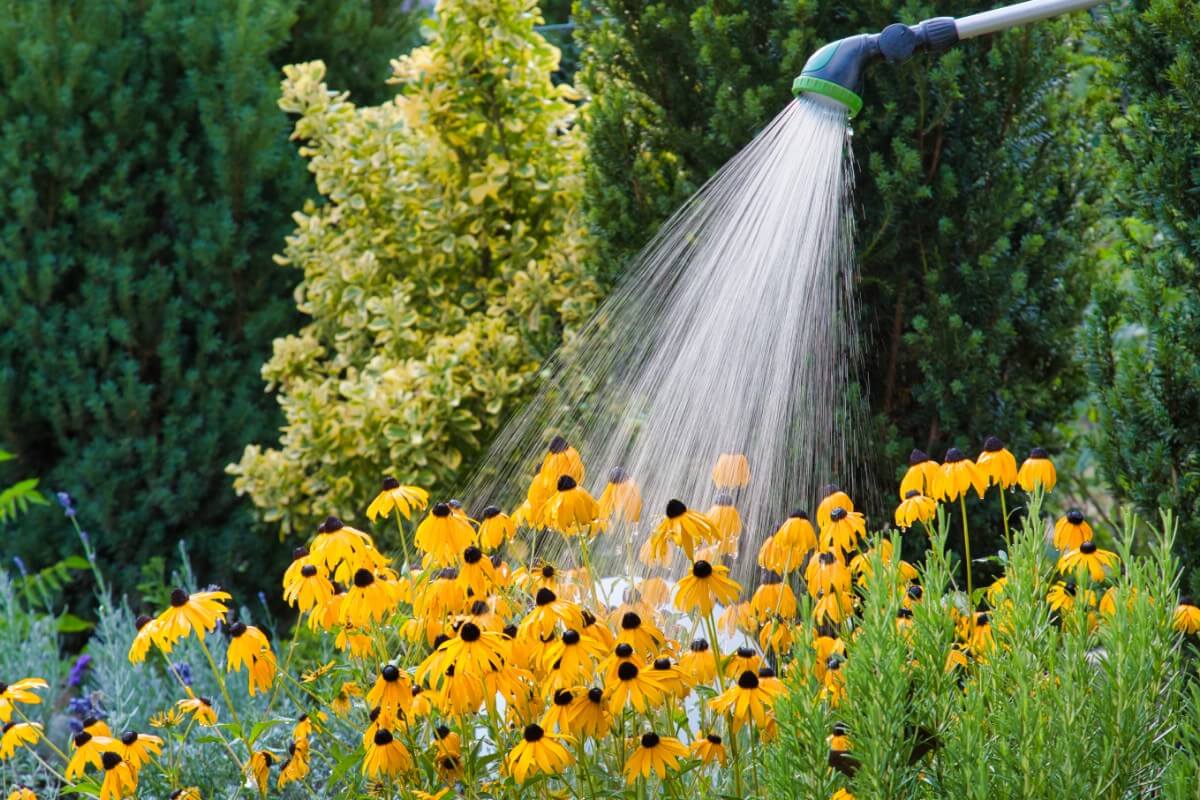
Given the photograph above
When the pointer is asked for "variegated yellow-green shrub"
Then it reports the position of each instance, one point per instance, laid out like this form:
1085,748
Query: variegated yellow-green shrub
441,268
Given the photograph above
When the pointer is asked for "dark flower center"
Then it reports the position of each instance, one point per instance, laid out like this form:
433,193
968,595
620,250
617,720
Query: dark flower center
308,570
723,499
179,598
442,731
128,738
544,597
469,632
1038,452
374,715
624,650
699,646
702,569
618,475
1075,516
631,621
558,445
662,663
650,740
954,455
766,672
917,457
534,733
713,738
390,483
833,662
798,514
110,760
472,555
547,570
237,630
675,509
627,671
904,613
838,514
1087,548
595,694
745,652
748,680
826,558
563,698
510,631
771,578
479,608
490,511
331,524
992,444
915,591
570,637
363,578
982,619
447,574
839,729
441,510
911,493
566,483
390,673
299,552
82,738
142,621
1069,588
383,737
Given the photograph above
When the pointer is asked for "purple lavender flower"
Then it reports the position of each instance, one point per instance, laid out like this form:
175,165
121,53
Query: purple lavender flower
67,502
20,563
78,669
184,671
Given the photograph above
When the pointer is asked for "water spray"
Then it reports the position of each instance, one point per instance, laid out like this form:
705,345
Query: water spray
836,70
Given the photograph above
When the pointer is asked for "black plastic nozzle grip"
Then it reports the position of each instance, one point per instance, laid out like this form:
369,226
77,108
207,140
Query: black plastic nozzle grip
938,33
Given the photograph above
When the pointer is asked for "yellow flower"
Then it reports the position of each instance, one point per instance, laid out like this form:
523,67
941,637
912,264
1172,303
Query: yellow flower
839,740
621,499
472,652
654,754
743,659
147,634
640,632
402,499
305,586
826,573
833,682
1036,470
443,535
188,613
1089,557
18,734
784,551
841,532
699,663
19,692
705,586
562,459
538,752
476,573
392,693
915,508
861,564
823,648
200,708
249,648
295,768
841,794
547,612
137,748
1071,531
959,474
684,528
339,548
21,792
88,750
386,756
1186,618
924,476
832,497
368,599
589,714
634,687
119,779
750,698
259,768
732,471
496,528
997,464
570,510
709,749
725,517
773,598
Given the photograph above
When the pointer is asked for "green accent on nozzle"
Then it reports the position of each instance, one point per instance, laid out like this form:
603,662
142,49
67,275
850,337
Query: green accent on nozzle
807,83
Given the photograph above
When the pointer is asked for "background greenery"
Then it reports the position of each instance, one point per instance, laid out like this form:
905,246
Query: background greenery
148,180
1007,191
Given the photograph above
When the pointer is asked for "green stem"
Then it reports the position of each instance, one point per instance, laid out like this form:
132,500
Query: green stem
403,540
1004,511
224,690
962,504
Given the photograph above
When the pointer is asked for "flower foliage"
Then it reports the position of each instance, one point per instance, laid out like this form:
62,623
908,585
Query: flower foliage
441,270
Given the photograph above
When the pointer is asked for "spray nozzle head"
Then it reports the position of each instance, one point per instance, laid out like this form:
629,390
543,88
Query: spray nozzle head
835,71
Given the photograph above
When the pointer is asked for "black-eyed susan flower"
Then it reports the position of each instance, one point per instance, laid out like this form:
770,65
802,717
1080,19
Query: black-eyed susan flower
839,738
823,648
561,459
245,642
1063,595
147,634
392,693
1089,557
832,497
386,756
195,613
557,716
777,635
997,464
641,632
589,714
23,792
709,749
473,651
634,687
16,735
548,610
841,794
670,677
1186,617
86,750
340,548
785,550
914,508
725,517
537,752
399,498
621,500
743,659
833,681
138,748
979,635
1071,530
732,471
495,528
570,510
655,754
841,533
574,654
685,528
443,535
119,779
699,663
476,573
305,585
259,769
924,476
703,587
960,475
296,767
201,709
1037,470
21,691
773,598
368,599
861,565
826,572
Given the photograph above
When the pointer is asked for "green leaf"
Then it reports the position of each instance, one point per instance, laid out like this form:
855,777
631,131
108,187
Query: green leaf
69,623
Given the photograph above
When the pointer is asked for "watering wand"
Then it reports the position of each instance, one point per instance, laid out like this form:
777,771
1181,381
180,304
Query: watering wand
835,71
